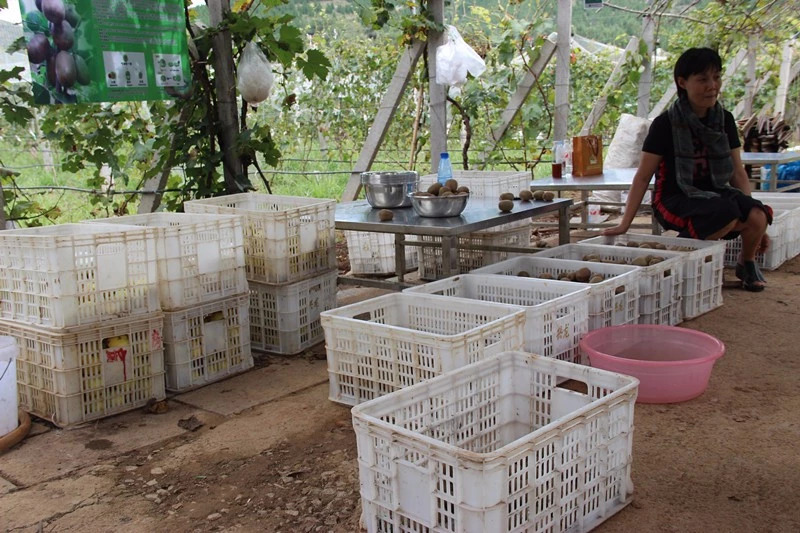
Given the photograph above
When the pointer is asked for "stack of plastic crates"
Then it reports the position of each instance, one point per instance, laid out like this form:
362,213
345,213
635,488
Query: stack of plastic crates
204,295
482,184
660,283
290,263
81,300
498,446
614,301
702,270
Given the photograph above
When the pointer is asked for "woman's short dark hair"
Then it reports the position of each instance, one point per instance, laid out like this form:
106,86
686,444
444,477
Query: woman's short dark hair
695,61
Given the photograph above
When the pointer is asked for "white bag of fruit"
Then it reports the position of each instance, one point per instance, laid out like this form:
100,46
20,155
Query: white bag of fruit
255,74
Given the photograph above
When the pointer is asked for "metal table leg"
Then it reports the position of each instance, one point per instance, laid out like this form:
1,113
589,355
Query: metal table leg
449,256
563,224
399,256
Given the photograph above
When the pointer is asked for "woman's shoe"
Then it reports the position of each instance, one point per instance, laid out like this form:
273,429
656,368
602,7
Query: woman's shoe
752,279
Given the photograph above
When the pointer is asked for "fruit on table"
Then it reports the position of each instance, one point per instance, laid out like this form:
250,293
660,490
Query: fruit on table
385,215
434,189
548,196
525,195
507,196
538,195
463,188
505,206
451,184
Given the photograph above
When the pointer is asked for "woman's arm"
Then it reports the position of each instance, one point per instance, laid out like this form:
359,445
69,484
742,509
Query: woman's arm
739,178
641,180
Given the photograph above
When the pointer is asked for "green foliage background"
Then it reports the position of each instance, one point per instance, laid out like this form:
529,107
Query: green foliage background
333,61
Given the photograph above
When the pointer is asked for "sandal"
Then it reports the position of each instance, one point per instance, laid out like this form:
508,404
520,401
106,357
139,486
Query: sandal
741,274
752,279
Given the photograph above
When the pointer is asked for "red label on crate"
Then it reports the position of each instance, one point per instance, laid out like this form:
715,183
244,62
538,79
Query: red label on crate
155,340
118,354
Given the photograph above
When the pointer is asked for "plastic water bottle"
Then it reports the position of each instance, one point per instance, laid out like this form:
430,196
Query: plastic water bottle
445,168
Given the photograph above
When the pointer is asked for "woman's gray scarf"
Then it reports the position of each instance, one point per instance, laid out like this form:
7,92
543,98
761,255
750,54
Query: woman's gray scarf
686,123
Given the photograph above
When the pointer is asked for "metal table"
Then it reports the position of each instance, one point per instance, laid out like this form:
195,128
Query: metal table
759,159
480,214
612,179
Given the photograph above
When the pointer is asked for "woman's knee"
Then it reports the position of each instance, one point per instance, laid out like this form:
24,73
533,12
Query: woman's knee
757,219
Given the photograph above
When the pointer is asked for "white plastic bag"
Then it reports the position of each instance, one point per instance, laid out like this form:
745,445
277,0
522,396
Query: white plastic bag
255,74
455,58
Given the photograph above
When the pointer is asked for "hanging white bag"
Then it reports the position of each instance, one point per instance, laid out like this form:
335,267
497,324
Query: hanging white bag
455,58
255,74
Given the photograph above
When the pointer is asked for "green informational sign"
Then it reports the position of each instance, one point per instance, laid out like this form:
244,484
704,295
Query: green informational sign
105,50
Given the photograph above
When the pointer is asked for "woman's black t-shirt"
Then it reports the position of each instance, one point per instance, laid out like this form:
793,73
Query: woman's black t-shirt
659,142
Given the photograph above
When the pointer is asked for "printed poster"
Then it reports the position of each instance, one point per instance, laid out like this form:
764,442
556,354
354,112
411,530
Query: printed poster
106,50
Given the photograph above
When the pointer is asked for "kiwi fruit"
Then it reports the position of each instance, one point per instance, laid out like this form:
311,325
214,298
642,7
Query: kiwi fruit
83,70
507,196
420,193
54,10
463,188
548,196
546,275
632,244
444,191
621,244
38,48
654,260
434,189
597,278
538,195
451,184
63,35
385,215
525,195
506,206
640,261
523,274
645,245
583,275
66,71
620,289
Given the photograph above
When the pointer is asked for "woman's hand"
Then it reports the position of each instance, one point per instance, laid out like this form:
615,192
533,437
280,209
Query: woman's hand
619,229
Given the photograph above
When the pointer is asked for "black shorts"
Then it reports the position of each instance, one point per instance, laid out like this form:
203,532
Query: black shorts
698,218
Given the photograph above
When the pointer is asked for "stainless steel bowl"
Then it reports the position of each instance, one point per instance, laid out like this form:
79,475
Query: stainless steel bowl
439,206
387,190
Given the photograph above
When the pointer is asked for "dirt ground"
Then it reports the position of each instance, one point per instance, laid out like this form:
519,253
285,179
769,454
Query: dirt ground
267,451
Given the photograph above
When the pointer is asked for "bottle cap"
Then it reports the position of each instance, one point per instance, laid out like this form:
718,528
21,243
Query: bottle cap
445,155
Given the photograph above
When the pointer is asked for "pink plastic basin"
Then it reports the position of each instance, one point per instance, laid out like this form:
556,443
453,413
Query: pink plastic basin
672,364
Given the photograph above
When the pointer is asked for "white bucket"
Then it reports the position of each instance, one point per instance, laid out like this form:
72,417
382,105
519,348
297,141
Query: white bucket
9,352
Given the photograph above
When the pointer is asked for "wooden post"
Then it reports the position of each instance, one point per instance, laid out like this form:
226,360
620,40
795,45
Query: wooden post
388,107
523,90
614,80
750,85
564,29
226,97
646,81
783,83
437,93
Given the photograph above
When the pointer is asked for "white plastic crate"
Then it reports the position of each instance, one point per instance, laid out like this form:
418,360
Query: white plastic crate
207,342
200,257
660,285
373,253
69,376
386,343
777,253
612,302
488,184
430,257
556,313
286,318
702,272
77,274
498,446
485,183
286,238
